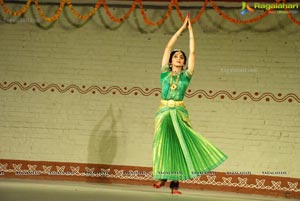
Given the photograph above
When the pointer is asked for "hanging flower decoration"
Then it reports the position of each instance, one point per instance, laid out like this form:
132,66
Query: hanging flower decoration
195,19
121,19
236,21
173,3
55,16
294,20
16,13
159,22
84,17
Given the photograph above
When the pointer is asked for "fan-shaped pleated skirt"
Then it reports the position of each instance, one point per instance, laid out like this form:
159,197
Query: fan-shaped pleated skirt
180,153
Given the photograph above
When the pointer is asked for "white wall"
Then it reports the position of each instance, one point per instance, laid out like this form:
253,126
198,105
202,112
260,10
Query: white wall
116,128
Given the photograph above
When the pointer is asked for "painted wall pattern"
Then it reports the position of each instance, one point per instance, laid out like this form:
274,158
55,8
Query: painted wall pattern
104,90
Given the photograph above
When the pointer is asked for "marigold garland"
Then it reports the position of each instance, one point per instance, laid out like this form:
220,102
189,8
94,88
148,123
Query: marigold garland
55,16
290,15
121,19
236,21
195,19
84,17
16,13
173,3
159,22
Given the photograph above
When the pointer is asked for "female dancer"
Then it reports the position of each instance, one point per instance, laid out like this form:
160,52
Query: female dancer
179,153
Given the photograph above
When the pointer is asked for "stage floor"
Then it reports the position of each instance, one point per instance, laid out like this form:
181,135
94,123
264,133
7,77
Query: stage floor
36,190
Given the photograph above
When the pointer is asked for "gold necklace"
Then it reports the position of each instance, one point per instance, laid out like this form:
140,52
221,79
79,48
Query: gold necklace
174,85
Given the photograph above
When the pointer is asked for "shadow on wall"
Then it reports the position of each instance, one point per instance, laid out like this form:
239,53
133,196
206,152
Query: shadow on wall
103,141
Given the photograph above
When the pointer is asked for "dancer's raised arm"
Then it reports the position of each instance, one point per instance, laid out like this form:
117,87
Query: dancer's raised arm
168,48
191,59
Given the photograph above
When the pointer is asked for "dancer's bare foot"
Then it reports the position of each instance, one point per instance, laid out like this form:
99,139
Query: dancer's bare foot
159,184
176,191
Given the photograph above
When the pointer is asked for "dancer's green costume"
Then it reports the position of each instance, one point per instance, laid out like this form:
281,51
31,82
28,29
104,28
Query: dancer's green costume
179,152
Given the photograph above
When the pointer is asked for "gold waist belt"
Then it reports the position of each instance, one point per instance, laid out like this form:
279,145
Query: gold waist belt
171,103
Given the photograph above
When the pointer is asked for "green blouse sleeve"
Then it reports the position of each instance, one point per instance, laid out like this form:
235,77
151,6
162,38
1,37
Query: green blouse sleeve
188,73
164,68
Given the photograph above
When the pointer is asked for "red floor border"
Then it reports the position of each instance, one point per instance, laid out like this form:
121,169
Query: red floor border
136,175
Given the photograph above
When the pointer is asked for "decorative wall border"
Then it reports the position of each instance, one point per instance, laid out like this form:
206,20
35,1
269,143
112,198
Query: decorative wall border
221,94
134,5
104,173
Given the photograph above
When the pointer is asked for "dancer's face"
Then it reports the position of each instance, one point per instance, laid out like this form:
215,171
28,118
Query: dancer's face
178,59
